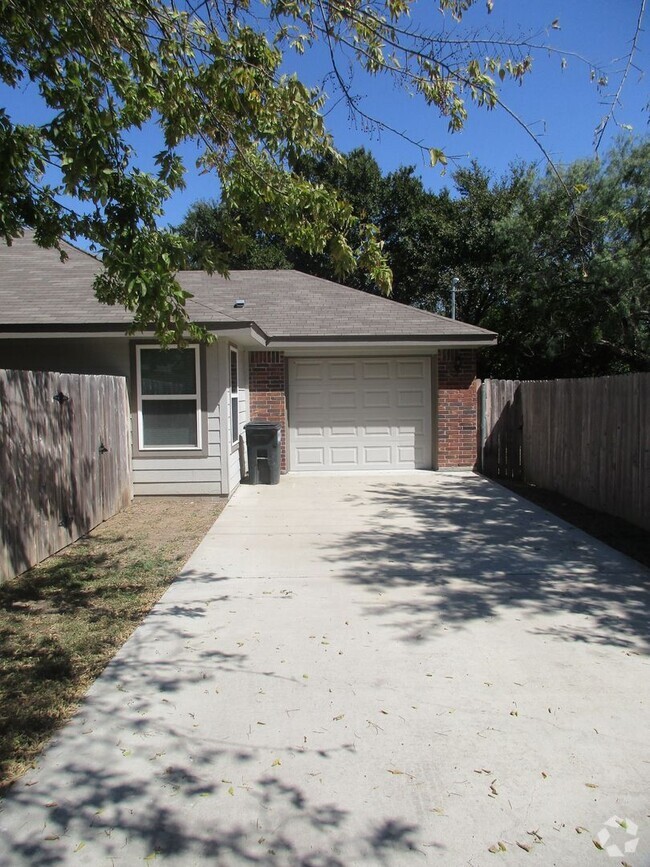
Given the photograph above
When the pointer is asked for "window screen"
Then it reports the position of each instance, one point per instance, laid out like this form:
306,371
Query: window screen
168,397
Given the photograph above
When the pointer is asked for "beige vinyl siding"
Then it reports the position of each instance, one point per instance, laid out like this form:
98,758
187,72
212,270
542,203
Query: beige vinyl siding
204,476
189,475
177,489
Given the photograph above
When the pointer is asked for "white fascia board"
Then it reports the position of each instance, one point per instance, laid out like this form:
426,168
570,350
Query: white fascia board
60,335
374,347
245,336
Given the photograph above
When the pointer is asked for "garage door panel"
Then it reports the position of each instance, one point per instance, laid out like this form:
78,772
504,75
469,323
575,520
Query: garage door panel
342,370
410,369
309,458
410,427
306,430
414,397
375,369
344,457
360,414
375,429
345,429
378,456
342,399
373,398
407,454
307,399
308,371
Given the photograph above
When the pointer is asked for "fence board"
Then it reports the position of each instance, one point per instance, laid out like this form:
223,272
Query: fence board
501,435
588,439
56,483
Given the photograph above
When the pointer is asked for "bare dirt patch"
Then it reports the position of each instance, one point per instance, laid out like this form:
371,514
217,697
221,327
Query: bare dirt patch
62,621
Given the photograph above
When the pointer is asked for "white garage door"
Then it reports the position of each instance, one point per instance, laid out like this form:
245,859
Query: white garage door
359,413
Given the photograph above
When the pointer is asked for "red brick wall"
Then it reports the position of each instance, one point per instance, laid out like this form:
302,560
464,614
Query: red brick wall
457,408
267,378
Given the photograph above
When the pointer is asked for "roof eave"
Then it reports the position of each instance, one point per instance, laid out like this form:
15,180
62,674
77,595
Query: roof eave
120,329
438,342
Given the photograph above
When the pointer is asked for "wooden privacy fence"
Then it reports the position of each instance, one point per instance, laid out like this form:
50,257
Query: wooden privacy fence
501,429
65,463
588,439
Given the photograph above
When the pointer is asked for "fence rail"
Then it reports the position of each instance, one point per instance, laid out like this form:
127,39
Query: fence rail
64,461
588,439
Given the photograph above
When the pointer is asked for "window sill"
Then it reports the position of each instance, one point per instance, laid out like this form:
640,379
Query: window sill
170,453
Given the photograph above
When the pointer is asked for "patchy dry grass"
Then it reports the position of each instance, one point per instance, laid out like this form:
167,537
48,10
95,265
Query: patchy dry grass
61,622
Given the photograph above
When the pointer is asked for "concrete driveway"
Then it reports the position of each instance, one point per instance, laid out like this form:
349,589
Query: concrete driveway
359,670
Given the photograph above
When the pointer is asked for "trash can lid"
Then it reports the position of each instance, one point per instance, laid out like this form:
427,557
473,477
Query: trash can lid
263,425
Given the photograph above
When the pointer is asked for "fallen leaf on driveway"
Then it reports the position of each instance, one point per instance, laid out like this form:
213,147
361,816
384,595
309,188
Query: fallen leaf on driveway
337,718
498,847
276,763
394,771
524,846
591,785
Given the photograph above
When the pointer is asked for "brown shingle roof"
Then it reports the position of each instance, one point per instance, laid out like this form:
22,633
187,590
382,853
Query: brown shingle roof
37,289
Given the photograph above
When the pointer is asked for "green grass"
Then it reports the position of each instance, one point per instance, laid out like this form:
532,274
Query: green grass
61,622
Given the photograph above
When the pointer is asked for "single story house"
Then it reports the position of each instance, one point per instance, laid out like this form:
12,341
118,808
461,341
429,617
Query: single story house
357,382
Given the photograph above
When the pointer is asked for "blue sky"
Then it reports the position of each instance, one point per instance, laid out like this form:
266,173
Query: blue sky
562,106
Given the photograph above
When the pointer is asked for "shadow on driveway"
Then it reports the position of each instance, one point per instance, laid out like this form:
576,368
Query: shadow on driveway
468,550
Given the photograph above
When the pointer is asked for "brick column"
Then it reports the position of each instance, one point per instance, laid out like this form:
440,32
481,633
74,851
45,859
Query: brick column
267,383
457,408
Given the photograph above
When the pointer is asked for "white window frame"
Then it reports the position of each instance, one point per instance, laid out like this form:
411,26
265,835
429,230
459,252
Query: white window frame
196,397
234,416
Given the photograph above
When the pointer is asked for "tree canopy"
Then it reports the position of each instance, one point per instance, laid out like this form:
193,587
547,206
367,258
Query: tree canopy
565,282
211,72
575,279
